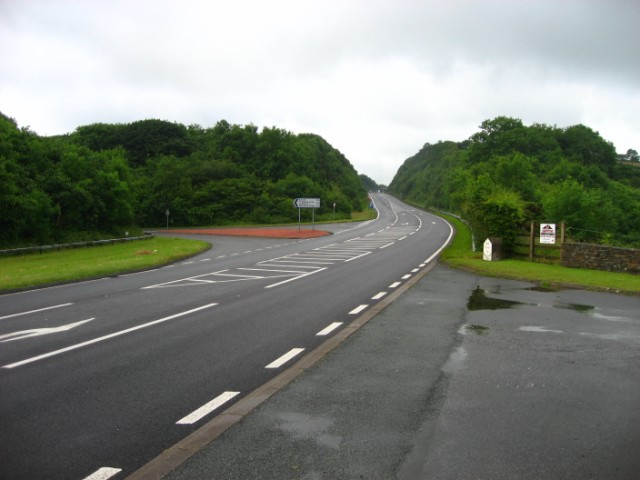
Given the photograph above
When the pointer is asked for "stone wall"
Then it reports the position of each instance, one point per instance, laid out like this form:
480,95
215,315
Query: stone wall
600,257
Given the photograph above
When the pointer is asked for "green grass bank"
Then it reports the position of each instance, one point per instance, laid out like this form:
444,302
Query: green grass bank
460,255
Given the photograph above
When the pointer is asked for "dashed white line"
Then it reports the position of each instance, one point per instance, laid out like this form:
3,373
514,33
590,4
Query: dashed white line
395,284
36,311
378,296
329,329
106,337
415,270
207,408
103,473
358,309
285,358
404,277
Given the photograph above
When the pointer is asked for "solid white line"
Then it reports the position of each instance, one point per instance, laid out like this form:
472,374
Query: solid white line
329,329
207,408
358,309
395,284
35,311
106,337
103,474
285,358
378,296
295,278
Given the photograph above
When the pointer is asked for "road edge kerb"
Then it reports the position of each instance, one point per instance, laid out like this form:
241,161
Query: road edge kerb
179,453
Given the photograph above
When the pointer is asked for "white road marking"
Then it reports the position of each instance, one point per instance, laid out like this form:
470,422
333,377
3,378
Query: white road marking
395,284
36,332
35,311
107,337
415,270
103,474
404,277
358,309
329,329
295,278
285,358
207,408
378,296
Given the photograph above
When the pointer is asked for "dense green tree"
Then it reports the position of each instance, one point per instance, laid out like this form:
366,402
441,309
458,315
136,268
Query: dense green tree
569,174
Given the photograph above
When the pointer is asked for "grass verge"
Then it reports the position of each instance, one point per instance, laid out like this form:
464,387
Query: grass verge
34,270
460,255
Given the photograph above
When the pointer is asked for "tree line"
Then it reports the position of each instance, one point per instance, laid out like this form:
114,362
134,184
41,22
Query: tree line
103,178
508,173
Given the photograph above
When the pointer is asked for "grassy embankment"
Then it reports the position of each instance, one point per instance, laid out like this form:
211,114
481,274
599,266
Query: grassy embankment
36,269
460,255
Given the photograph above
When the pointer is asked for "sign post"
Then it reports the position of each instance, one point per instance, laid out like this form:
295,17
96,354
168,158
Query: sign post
313,203
167,214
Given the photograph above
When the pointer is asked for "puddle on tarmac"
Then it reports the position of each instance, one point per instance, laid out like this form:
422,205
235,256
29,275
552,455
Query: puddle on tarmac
575,306
477,329
479,301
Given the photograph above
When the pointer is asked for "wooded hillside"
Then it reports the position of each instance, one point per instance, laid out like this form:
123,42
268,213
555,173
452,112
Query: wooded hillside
508,173
105,177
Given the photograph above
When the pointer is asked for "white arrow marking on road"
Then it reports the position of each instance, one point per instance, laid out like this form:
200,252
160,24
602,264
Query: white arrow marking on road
35,311
36,332
107,337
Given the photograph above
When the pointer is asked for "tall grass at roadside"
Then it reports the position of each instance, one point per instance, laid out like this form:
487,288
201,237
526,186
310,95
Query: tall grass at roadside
82,263
460,255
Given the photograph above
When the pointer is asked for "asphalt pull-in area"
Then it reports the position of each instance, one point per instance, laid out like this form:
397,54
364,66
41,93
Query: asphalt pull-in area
444,385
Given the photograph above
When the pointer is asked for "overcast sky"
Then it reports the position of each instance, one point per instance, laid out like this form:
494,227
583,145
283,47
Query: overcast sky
377,79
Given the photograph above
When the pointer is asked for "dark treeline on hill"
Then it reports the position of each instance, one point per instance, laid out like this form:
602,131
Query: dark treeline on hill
105,177
508,173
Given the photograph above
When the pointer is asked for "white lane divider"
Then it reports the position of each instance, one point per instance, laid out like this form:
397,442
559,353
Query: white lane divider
395,284
378,296
404,277
358,309
285,358
106,337
207,408
329,329
35,311
103,473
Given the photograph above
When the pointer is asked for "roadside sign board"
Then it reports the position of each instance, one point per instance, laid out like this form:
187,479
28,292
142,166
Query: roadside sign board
548,233
306,203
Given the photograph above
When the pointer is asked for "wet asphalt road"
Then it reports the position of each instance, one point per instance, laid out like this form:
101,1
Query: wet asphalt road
546,388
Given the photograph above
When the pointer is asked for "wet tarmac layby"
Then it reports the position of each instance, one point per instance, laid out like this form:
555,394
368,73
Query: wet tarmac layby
462,377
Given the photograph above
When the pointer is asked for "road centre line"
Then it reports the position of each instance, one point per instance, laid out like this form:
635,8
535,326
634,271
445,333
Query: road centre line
103,473
207,408
107,337
36,311
285,358
327,330
358,309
